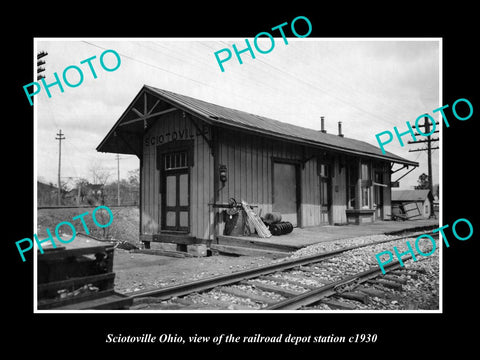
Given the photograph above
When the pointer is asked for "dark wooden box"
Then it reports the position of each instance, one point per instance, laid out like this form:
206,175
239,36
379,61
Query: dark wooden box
81,278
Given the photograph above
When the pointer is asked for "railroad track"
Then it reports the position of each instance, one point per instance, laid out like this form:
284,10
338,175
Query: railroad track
300,283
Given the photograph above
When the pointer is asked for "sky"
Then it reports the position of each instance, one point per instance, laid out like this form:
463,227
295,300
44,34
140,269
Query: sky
370,85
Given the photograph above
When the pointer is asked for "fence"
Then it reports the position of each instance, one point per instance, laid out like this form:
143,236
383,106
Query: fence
108,196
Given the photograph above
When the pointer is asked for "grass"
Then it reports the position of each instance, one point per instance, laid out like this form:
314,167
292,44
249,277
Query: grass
124,225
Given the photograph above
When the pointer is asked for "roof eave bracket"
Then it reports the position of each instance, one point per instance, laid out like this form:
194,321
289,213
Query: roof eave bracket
408,172
200,131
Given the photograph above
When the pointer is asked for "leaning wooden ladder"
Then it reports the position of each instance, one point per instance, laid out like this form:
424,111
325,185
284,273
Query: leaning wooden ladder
262,230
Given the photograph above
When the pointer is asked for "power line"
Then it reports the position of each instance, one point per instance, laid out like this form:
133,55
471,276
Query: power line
317,88
149,64
323,91
341,84
429,155
207,65
281,71
256,80
165,70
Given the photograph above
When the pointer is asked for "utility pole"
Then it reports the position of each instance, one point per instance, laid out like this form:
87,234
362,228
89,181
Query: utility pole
429,149
118,179
59,137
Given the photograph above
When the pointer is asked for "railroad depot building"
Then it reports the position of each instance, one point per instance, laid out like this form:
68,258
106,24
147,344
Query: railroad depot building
195,156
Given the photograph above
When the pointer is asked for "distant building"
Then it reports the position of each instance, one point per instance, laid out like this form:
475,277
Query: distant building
95,190
71,196
47,194
412,204
91,194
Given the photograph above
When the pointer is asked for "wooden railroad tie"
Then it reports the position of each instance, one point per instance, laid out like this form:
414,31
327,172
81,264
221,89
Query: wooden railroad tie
387,283
355,295
336,304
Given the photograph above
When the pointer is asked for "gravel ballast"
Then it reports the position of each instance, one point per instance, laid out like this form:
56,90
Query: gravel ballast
419,289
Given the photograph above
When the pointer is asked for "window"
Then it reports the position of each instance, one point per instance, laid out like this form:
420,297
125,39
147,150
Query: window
365,197
175,155
365,171
366,185
378,191
177,160
324,172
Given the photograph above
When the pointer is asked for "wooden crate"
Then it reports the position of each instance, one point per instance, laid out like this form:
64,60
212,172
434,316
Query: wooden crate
79,278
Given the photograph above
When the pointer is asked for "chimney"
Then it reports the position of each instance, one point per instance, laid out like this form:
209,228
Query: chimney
322,119
340,129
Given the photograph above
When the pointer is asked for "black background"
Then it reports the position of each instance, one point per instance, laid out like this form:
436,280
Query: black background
84,334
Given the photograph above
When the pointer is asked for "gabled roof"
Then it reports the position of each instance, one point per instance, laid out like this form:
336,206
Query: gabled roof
226,117
410,195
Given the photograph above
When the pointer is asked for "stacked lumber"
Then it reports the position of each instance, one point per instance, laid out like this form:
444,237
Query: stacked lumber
255,220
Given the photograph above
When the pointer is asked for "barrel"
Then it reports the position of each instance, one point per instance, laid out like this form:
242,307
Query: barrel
272,218
235,223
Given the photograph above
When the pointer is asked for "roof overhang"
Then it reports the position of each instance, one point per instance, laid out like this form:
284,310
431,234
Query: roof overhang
150,104
344,150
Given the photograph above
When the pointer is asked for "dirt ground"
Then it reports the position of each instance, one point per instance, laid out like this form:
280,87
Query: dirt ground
134,271
137,271
124,225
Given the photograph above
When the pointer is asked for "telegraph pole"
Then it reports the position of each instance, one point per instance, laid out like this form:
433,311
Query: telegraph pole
428,149
59,137
118,179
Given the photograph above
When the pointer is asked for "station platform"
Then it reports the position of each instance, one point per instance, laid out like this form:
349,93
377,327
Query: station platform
302,237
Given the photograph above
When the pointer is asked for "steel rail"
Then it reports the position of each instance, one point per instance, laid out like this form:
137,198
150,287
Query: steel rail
214,281
221,280
315,295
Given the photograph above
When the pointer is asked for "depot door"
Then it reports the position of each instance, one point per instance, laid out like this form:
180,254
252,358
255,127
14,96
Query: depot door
175,194
325,193
286,191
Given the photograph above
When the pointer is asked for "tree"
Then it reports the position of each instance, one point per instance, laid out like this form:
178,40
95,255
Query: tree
83,185
99,174
82,182
64,187
423,182
134,177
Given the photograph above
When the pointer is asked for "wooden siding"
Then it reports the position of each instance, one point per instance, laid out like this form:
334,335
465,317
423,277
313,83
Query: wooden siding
249,160
249,169
310,185
170,127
